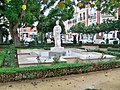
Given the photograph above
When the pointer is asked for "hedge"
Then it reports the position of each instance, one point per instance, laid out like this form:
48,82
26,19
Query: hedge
108,45
107,52
13,74
113,49
2,57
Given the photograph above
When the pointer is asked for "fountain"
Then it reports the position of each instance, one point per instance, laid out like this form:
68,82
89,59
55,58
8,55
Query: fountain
35,57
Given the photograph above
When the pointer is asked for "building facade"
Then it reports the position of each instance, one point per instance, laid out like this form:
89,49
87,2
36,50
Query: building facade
89,16
27,32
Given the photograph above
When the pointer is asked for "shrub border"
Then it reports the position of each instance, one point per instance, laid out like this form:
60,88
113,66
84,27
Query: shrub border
15,74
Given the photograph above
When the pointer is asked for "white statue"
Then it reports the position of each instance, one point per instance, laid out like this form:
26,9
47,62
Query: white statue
56,32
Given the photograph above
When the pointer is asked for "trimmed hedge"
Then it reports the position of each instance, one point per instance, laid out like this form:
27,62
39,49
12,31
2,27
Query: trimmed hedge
113,49
108,45
13,74
107,52
2,57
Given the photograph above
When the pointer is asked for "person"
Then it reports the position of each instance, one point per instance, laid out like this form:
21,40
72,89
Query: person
56,33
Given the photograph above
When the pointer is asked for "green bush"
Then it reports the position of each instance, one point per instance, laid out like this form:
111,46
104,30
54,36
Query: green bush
9,57
115,42
82,48
108,45
56,59
46,48
113,49
11,41
2,57
109,48
107,52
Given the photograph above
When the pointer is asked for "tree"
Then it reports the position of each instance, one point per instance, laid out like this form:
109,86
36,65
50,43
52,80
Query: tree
79,28
12,10
20,12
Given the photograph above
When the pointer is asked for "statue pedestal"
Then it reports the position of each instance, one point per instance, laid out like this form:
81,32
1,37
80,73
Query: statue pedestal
57,51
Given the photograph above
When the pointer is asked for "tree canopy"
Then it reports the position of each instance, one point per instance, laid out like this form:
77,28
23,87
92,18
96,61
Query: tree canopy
107,26
22,12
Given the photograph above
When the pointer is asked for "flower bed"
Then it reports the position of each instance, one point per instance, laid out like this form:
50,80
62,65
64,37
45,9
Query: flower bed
13,74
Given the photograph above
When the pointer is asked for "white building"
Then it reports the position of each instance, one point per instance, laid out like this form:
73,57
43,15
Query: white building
88,16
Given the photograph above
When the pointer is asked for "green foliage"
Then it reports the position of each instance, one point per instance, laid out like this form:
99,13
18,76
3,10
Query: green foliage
107,52
56,59
106,26
82,48
54,70
108,45
12,10
109,48
11,41
115,42
113,49
17,17
2,57
9,57
105,6
46,48
79,28
44,68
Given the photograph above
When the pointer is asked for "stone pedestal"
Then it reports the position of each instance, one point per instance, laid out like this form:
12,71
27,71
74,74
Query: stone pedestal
57,51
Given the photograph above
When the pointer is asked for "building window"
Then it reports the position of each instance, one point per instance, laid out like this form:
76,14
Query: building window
24,29
94,14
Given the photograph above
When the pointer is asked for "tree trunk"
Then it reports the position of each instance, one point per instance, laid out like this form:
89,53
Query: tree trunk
16,40
14,34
